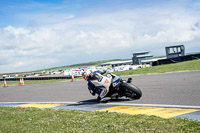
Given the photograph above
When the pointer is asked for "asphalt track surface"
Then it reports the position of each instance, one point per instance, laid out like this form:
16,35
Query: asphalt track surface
179,88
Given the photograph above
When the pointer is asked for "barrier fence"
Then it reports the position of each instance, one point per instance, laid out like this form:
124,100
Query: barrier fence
38,78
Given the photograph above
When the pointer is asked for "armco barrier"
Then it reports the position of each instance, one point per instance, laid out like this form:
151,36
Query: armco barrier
38,78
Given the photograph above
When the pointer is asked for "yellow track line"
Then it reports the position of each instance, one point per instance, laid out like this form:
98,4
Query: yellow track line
157,111
39,105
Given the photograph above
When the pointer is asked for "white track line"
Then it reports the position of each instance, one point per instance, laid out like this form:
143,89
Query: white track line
116,104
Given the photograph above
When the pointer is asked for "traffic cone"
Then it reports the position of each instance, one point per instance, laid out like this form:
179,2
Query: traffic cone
21,82
5,84
73,77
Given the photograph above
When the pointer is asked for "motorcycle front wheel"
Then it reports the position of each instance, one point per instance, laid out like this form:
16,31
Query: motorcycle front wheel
130,91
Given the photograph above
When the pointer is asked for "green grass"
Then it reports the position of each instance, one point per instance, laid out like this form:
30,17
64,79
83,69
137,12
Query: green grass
182,66
32,120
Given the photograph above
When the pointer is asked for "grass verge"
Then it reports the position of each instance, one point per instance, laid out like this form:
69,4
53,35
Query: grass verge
34,120
182,66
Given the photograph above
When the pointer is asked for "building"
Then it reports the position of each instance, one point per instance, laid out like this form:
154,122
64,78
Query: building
138,57
151,61
175,51
174,54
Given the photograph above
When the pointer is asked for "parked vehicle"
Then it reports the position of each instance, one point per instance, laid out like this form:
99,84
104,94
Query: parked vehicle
77,72
67,73
109,70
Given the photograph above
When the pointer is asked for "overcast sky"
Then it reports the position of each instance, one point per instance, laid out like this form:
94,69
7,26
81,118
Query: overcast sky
37,34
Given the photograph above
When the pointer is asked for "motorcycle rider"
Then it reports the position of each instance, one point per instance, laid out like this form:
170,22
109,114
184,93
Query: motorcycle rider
89,75
102,92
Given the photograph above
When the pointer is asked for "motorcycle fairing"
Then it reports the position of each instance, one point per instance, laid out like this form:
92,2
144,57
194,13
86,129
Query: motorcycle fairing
116,81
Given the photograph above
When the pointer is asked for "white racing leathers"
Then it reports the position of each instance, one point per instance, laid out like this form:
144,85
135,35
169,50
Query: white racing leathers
103,83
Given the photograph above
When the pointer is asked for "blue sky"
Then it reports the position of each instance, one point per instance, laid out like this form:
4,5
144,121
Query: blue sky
37,34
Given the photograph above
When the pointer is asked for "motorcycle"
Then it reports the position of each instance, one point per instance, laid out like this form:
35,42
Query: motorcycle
112,87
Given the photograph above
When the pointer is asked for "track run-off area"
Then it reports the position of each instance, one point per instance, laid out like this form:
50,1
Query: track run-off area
166,95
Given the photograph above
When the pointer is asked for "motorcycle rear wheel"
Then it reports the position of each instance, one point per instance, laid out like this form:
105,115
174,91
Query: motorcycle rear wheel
130,91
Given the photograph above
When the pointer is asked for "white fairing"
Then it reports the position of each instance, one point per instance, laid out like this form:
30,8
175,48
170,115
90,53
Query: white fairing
104,84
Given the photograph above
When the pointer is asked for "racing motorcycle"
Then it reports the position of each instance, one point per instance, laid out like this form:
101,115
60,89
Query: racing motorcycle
111,87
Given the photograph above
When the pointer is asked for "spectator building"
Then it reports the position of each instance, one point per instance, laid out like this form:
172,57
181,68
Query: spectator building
138,57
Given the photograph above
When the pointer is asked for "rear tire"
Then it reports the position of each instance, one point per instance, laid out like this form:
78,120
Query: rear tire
130,90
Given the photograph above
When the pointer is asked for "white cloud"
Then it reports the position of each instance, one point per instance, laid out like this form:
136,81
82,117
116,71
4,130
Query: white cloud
105,36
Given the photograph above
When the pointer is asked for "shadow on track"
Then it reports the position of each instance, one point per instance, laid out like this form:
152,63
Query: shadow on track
95,101
91,104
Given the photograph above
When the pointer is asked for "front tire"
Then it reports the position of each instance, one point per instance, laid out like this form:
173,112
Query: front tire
130,91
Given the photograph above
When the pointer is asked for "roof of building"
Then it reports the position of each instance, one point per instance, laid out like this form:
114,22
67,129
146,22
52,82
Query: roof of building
142,52
175,46
142,56
152,60
116,62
